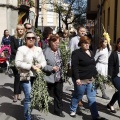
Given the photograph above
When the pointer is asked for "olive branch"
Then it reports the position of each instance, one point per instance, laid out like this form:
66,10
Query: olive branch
65,54
39,94
100,79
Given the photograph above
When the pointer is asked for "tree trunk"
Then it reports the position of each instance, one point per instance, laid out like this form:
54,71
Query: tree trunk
66,26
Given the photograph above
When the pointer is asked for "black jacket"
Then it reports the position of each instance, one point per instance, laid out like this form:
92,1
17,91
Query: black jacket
83,65
14,43
113,65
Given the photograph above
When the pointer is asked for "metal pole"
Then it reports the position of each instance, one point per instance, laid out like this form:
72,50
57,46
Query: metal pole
42,23
59,16
59,21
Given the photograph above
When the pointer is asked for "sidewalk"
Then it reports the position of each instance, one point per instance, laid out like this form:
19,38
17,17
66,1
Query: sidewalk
14,111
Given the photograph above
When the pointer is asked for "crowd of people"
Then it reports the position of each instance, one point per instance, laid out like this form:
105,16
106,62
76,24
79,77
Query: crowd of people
27,46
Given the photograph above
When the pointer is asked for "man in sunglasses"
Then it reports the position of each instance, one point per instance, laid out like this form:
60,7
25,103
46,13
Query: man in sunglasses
28,26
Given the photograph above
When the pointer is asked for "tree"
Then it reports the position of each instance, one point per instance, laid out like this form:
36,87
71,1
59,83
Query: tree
80,20
69,10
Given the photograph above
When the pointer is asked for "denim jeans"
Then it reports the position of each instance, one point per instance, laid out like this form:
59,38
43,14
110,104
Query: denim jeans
26,85
91,96
116,82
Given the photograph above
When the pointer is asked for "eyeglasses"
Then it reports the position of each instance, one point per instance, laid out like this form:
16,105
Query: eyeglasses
29,38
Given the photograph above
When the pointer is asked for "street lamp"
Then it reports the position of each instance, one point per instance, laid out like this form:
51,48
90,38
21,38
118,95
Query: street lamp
42,22
59,2
59,21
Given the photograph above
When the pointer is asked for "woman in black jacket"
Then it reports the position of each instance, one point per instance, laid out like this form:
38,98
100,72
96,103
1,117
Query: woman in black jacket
114,75
84,73
16,41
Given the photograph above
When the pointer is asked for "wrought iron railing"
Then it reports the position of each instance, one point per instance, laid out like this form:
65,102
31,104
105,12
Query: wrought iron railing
29,3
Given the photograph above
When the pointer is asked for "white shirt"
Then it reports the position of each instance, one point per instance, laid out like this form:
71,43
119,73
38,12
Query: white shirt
119,63
74,43
102,56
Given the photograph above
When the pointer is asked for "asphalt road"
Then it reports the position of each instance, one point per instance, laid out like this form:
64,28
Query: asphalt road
14,111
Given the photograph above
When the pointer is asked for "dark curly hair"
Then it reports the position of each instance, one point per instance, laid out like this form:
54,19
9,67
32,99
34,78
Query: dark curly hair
118,41
46,32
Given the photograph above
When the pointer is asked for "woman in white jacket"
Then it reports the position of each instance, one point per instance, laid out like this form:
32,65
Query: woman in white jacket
25,60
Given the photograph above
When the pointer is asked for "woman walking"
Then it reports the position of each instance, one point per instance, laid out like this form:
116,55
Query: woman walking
101,58
24,61
16,41
84,73
114,75
53,71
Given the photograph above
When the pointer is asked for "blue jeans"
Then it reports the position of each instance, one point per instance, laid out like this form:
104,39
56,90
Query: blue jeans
116,82
26,85
91,96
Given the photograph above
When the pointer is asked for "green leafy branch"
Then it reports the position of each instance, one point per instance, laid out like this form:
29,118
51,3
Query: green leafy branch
65,54
38,33
39,94
100,79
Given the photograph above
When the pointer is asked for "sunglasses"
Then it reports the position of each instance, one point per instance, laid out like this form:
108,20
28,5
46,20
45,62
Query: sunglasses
28,28
29,38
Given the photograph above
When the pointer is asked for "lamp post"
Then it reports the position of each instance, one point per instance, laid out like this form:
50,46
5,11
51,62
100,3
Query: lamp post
59,21
42,22
59,14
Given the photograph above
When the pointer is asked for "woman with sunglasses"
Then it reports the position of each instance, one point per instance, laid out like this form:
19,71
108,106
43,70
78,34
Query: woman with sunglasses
28,59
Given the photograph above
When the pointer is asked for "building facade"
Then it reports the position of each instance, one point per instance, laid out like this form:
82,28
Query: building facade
9,15
105,12
47,16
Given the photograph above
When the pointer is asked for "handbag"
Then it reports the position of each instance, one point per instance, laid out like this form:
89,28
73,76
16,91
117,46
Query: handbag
24,76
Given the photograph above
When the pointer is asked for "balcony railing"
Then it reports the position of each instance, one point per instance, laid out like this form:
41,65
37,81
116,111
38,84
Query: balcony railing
28,3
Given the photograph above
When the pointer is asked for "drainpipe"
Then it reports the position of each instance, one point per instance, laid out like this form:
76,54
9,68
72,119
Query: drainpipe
36,21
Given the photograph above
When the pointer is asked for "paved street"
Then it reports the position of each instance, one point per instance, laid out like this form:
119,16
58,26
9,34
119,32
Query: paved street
14,111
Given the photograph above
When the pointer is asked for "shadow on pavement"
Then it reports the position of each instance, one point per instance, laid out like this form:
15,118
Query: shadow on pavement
84,111
102,108
6,92
13,110
66,107
9,85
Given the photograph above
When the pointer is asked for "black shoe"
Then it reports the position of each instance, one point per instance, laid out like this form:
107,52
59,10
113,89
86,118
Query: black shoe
111,108
105,97
100,118
59,114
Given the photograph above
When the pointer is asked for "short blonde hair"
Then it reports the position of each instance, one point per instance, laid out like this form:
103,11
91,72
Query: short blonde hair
17,27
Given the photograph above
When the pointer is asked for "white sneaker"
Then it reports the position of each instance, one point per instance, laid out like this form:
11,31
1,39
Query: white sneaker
72,114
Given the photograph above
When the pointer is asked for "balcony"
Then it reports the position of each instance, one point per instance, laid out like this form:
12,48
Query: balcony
23,2
92,9
24,5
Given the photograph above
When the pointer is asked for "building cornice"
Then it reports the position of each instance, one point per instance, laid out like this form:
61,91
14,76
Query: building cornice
9,6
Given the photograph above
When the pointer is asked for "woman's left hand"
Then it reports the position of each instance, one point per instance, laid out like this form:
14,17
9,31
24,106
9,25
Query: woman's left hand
38,66
78,82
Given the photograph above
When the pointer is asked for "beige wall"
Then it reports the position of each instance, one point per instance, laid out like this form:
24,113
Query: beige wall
118,20
93,6
111,4
8,19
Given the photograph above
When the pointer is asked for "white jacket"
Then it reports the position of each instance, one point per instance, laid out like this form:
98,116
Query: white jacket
25,58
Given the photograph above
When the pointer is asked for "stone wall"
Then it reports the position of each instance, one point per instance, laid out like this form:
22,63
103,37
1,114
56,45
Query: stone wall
8,16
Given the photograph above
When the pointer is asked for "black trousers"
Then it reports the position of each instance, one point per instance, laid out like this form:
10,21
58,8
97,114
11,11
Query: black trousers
17,86
56,90
114,98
